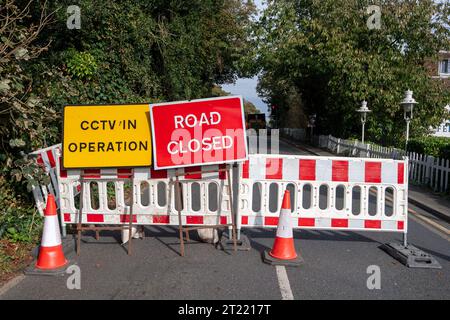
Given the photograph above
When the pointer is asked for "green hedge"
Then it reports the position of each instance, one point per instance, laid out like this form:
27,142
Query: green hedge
434,146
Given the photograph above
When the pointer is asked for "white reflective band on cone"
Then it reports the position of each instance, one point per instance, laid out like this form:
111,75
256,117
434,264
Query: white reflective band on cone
284,229
51,236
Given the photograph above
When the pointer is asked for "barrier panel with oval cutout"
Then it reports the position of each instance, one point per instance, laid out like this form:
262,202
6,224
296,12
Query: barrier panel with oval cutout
47,158
110,194
326,192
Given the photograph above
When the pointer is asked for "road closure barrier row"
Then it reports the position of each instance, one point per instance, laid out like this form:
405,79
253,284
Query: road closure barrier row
331,193
326,192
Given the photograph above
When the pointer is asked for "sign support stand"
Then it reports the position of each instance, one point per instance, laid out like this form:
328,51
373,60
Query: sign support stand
229,168
179,208
97,230
179,201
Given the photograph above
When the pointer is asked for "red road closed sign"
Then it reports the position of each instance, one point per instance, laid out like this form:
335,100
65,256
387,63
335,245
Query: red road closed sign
198,132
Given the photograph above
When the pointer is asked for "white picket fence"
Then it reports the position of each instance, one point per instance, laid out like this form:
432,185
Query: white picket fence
430,171
423,169
356,148
297,134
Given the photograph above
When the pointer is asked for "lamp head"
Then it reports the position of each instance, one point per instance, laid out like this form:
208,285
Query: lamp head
408,104
312,120
363,109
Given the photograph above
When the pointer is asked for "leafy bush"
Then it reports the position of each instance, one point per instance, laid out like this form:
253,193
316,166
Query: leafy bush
26,123
81,65
19,221
435,146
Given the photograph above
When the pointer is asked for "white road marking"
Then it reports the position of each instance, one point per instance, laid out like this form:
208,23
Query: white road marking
428,223
428,226
283,281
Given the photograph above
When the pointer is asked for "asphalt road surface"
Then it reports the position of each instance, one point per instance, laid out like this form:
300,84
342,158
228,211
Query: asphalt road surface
335,267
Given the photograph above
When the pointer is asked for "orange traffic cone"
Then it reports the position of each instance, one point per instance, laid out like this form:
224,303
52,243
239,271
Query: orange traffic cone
283,250
51,254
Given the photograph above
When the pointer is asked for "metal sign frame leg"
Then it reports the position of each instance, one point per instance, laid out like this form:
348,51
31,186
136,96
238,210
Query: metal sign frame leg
97,230
242,241
178,199
233,212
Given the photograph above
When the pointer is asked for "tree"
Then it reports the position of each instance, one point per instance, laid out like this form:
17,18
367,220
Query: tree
325,51
124,52
24,118
144,50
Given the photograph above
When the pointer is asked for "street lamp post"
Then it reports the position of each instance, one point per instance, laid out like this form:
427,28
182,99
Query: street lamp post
408,106
363,111
312,124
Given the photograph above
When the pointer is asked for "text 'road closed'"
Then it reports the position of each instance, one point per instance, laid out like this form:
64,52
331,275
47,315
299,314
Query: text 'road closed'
198,132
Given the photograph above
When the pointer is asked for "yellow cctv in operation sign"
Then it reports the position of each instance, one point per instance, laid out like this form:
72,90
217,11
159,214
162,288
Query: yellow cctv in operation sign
106,136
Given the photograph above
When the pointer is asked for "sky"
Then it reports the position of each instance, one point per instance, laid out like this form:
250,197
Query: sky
247,86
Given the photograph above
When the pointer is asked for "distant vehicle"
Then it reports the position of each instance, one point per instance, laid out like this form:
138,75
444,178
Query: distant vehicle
256,121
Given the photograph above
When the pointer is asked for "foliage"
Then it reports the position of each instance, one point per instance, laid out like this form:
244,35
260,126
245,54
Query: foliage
142,51
25,121
81,65
18,221
14,256
125,52
434,146
24,118
250,108
324,51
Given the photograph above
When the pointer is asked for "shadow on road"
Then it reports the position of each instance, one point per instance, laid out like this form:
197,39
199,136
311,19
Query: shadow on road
324,235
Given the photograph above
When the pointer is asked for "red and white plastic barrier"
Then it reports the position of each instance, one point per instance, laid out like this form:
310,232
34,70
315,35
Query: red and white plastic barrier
205,197
327,192
48,159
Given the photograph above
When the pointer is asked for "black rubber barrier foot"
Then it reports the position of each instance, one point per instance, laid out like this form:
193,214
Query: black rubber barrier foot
267,258
411,256
227,244
31,270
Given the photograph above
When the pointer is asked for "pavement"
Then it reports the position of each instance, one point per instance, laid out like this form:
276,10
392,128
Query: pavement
434,203
337,266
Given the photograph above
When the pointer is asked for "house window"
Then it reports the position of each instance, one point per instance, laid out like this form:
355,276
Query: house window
444,66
